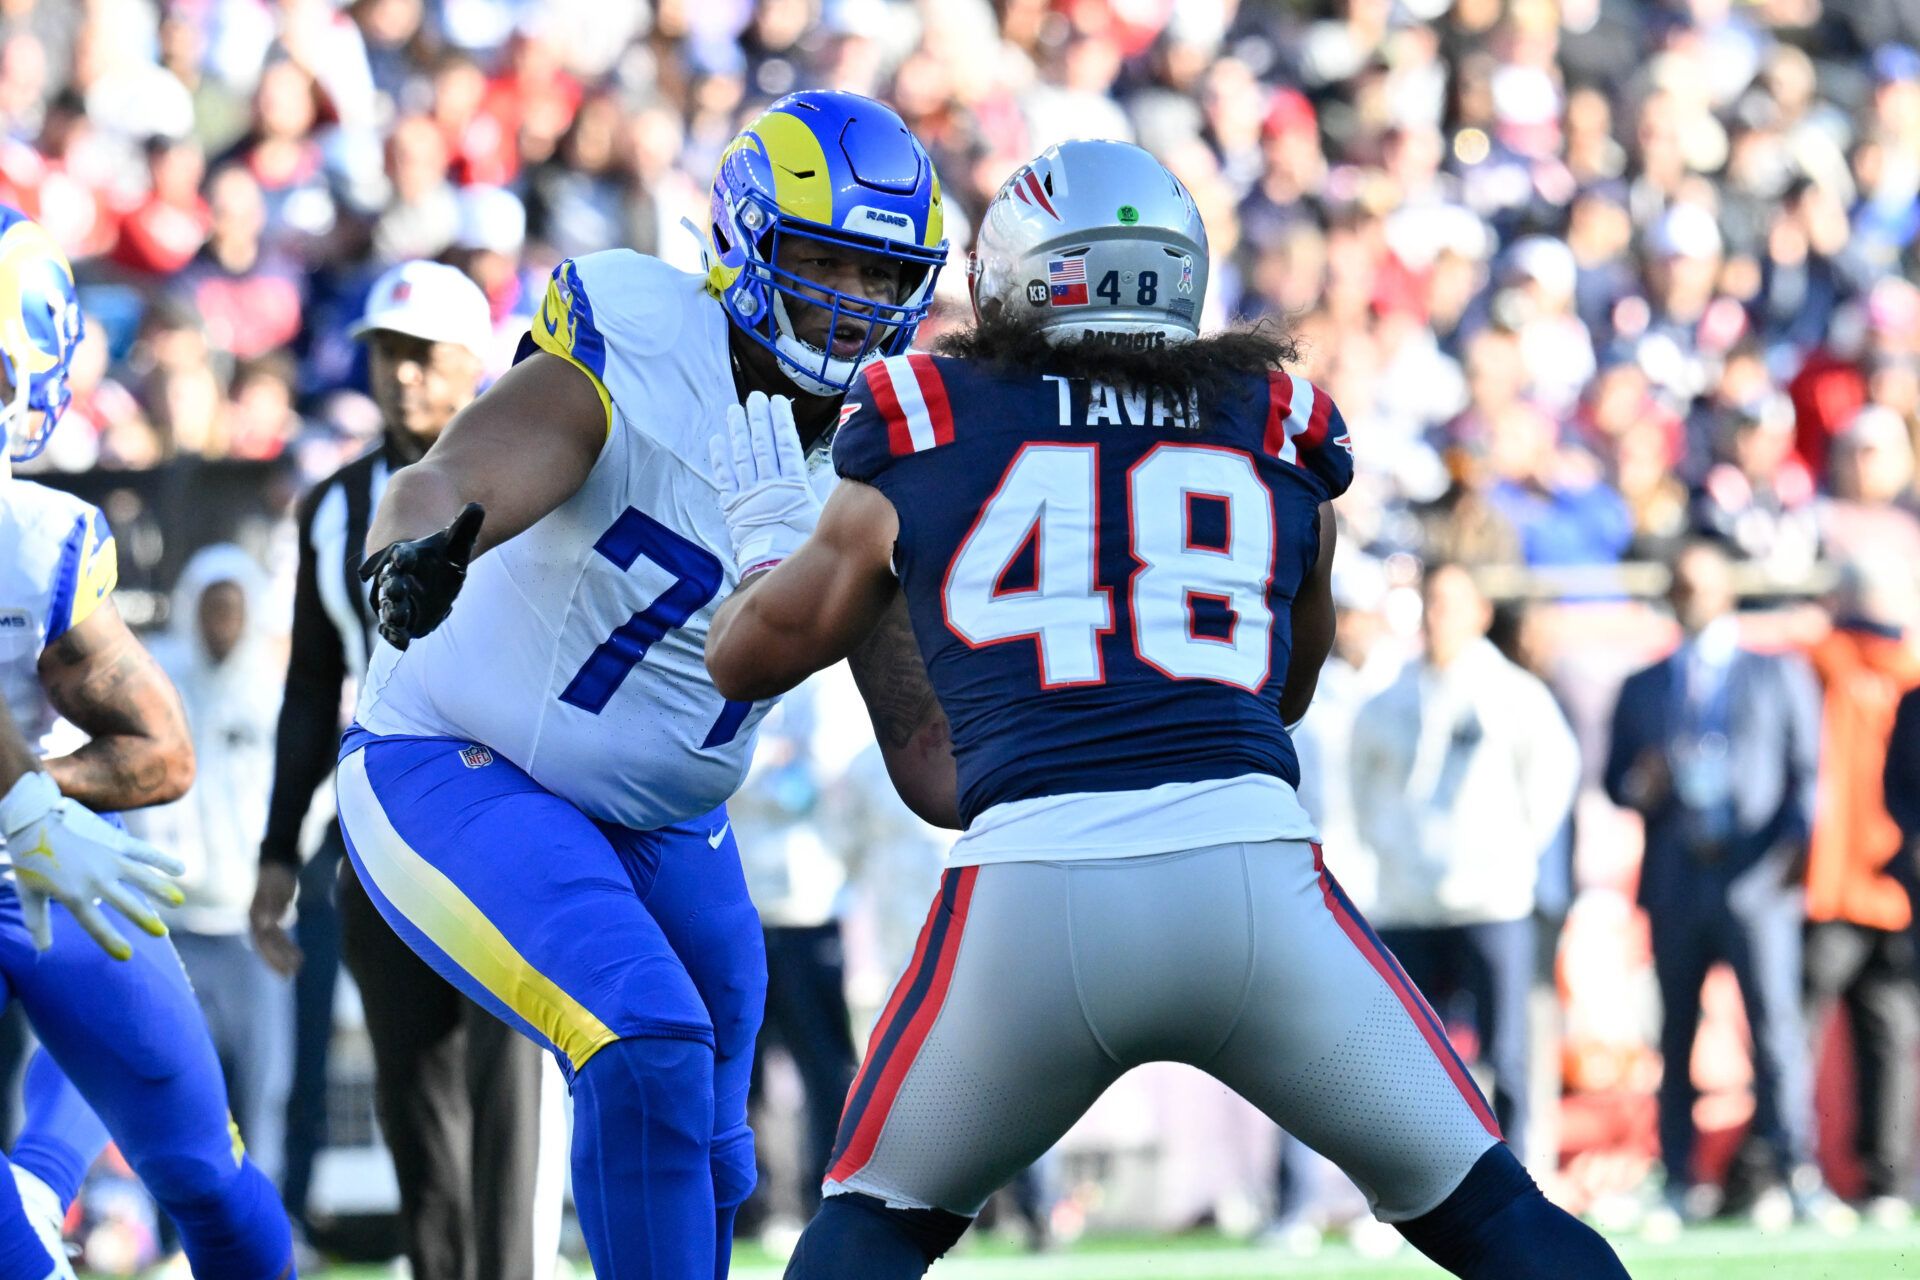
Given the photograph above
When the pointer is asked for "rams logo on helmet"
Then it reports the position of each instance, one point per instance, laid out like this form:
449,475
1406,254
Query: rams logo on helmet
831,167
40,327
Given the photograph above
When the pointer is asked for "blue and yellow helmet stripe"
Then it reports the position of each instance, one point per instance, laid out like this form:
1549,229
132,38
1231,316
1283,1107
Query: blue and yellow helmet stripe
826,166
40,327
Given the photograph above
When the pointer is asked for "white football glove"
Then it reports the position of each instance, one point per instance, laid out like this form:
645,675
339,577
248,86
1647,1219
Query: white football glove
762,474
63,852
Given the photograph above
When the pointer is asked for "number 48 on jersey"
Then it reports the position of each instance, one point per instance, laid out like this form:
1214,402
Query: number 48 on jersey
1201,534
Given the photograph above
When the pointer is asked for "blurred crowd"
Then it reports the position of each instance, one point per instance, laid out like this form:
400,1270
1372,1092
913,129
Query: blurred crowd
1585,275
1592,281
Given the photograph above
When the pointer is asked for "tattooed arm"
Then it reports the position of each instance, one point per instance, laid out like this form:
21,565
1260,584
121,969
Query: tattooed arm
16,756
836,597
907,718
98,676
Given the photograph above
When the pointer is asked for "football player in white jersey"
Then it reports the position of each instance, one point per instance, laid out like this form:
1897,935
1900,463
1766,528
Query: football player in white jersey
533,791
118,1017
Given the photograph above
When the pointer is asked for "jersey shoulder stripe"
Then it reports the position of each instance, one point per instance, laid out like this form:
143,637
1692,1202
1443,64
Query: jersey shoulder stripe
611,313
86,573
564,327
912,398
1305,428
896,408
62,555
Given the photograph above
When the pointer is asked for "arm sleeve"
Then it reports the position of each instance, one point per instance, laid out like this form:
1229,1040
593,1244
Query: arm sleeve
1903,767
308,734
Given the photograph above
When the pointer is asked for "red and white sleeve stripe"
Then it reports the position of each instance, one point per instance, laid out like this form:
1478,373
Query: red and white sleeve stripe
912,398
1297,416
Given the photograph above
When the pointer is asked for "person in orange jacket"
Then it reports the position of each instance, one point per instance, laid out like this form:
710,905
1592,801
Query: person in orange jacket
1859,948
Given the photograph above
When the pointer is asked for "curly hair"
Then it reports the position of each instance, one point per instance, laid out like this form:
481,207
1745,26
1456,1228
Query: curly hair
1200,371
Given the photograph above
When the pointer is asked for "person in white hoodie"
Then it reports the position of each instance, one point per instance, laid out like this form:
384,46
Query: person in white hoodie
1463,771
228,673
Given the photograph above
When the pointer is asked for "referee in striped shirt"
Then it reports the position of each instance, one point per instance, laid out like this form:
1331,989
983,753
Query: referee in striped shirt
471,1111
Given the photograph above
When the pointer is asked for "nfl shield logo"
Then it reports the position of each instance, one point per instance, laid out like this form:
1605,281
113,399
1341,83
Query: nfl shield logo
476,756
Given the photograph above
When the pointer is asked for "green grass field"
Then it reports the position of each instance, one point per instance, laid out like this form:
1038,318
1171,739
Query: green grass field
1715,1253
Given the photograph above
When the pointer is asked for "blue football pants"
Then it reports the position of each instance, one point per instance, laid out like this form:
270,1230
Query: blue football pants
636,957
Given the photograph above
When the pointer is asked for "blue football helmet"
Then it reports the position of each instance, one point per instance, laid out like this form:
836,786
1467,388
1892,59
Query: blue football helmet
40,327
835,167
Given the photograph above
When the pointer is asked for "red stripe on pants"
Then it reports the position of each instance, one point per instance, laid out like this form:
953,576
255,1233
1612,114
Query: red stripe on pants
1410,998
893,1072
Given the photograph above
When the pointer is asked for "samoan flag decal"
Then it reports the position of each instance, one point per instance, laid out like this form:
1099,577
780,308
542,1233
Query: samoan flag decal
1067,281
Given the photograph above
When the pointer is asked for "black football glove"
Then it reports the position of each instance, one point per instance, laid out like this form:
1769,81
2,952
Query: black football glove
413,583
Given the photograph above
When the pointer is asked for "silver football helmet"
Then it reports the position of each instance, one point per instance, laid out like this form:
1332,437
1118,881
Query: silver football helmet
1093,237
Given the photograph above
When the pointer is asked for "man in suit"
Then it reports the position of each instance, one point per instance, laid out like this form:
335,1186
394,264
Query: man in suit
1717,748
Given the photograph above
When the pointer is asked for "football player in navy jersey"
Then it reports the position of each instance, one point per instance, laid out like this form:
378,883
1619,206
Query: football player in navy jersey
1112,541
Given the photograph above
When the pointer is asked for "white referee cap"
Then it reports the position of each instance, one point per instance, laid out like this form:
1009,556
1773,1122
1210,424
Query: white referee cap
432,301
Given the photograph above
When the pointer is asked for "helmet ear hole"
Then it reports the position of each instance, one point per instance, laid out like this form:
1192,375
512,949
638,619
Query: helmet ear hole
720,241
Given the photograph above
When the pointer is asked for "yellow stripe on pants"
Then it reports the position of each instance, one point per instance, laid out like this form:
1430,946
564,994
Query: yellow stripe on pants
434,904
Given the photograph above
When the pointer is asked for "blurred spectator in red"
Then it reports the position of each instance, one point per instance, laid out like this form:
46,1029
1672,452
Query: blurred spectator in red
161,234
247,296
1858,947
1872,483
259,421
535,92
104,417
482,147
1289,189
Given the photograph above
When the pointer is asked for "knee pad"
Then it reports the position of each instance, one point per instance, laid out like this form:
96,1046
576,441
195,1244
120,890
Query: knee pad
734,1173
657,1081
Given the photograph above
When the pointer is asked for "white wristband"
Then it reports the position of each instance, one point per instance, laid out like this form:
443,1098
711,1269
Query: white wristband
32,798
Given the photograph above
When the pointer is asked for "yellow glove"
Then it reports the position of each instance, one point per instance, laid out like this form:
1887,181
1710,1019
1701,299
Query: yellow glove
63,852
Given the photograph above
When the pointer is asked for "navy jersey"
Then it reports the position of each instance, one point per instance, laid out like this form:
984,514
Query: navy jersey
1101,592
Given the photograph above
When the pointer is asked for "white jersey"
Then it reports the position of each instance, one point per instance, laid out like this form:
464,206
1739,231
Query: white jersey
57,565
577,649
